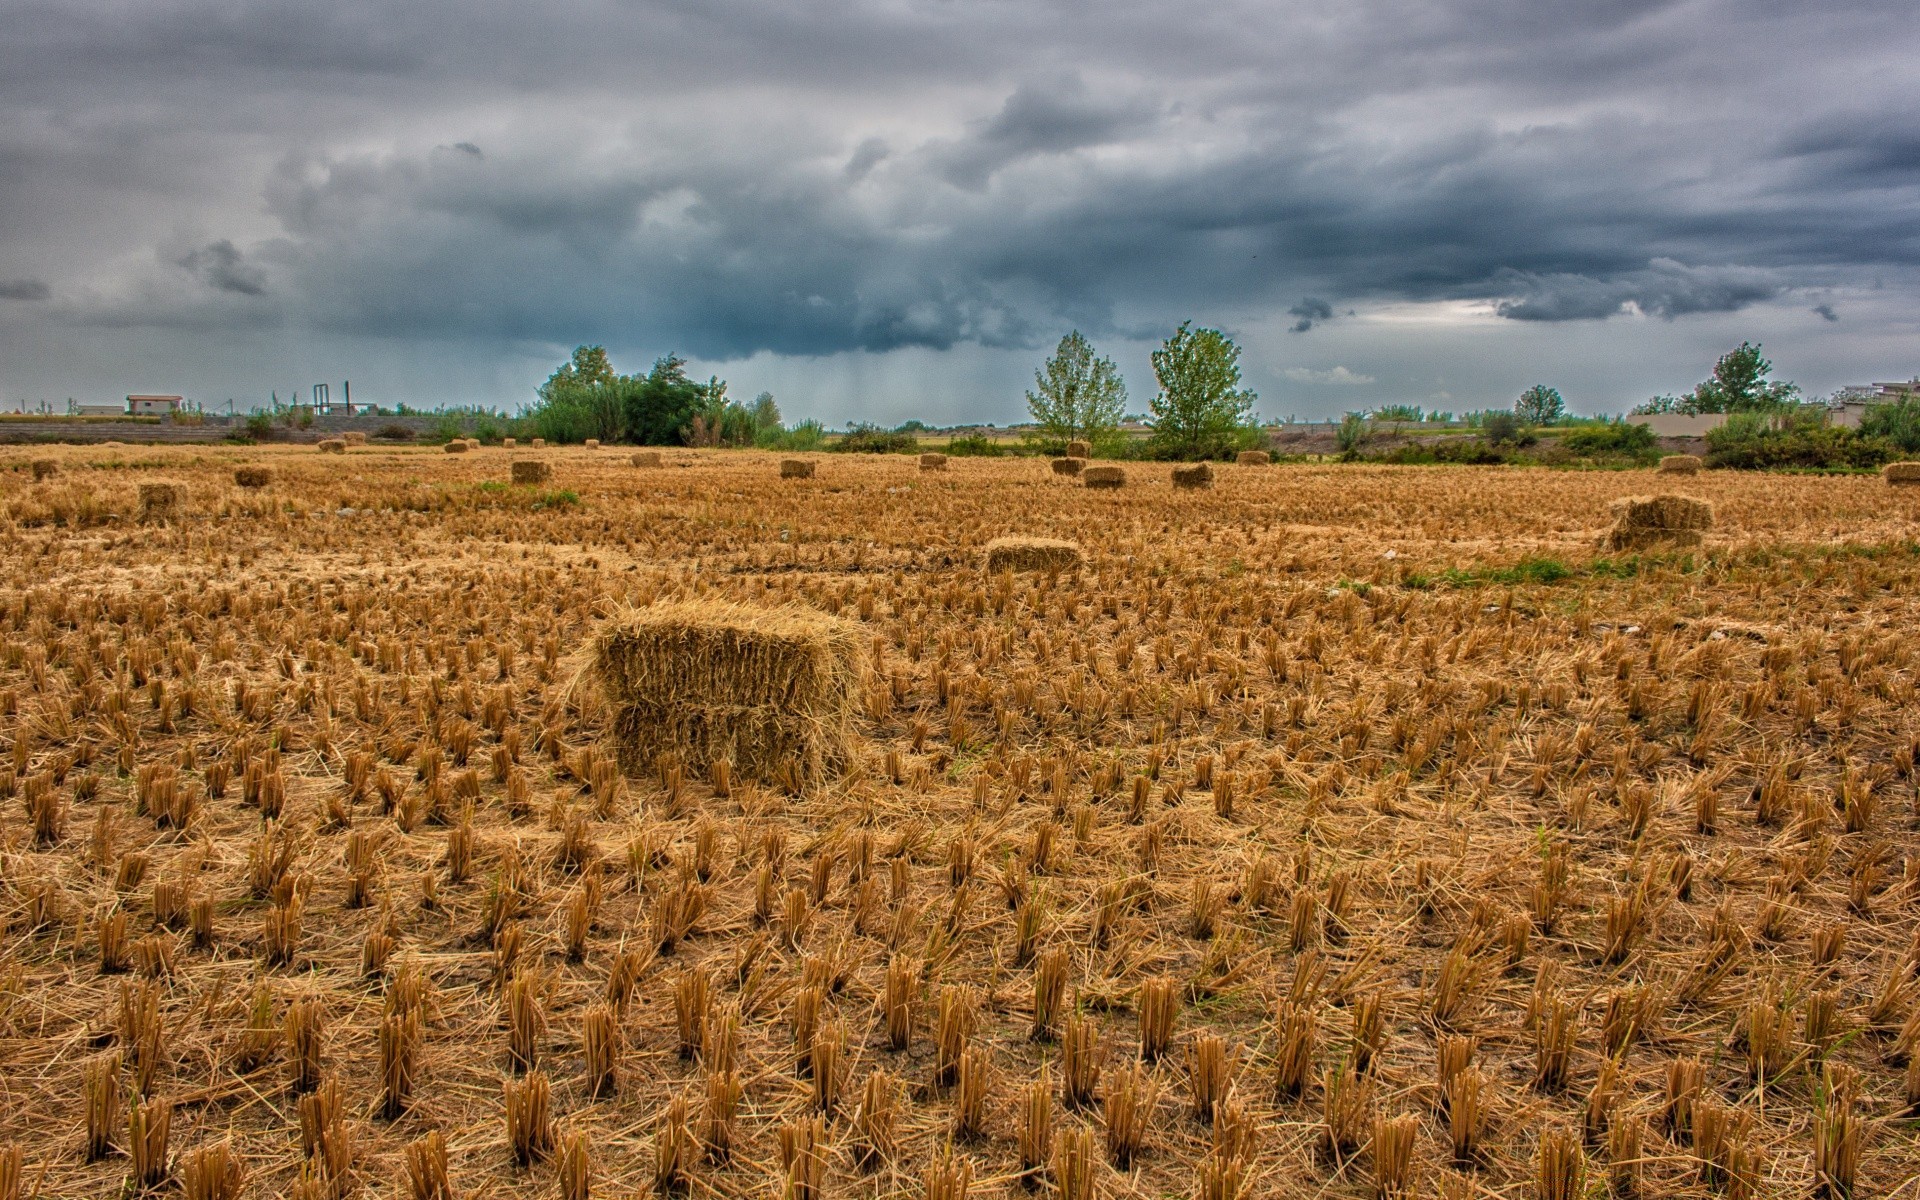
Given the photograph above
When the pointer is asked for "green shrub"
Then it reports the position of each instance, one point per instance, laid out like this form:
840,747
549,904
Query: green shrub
1897,423
1757,441
259,426
806,435
1613,437
871,439
975,446
394,432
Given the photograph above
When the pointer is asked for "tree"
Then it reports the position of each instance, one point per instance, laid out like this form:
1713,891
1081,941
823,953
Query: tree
1080,397
1540,405
587,367
1739,384
661,406
1201,410
766,414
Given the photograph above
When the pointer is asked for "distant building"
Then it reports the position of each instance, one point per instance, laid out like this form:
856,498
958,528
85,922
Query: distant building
153,406
1849,404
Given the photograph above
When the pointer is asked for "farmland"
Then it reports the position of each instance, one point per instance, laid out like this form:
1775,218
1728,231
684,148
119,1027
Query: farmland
1341,831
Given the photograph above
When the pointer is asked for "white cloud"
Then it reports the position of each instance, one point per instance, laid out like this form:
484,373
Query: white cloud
1338,376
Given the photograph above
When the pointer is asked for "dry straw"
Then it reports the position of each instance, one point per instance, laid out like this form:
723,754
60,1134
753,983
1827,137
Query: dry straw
933,462
162,500
1900,474
593,443
457,446
1192,478
1253,458
1104,477
761,688
44,468
796,468
1068,466
354,437
646,458
1669,520
1049,555
1079,449
531,470
332,445
1680,464
253,477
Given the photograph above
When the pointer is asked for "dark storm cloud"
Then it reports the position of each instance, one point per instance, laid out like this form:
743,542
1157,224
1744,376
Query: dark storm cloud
816,178
1825,312
25,289
219,265
1308,311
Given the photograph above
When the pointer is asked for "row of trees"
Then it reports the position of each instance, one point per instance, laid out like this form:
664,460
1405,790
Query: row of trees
585,398
1200,411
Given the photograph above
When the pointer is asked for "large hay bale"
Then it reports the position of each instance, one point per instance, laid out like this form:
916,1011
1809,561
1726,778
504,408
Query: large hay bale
1194,477
1901,474
1253,458
1104,477
593,443
796,468
1666,520
646,458
762,688
539,443
508,443
933,462
1680,464
252,477
531,470
457,446
1032,554
354,437
44,468
162,500
1079,450
333,445
1068,466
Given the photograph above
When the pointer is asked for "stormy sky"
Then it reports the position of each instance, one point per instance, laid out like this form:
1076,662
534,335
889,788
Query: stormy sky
889,208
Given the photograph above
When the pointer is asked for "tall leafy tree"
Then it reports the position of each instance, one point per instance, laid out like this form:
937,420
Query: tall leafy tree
1078,395
1540,405
588,366
1740,384
1201,410
660,406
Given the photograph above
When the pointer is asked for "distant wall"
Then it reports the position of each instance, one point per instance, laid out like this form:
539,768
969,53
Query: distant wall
1678,425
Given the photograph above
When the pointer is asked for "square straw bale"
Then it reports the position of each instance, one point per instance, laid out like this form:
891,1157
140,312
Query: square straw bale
1032,554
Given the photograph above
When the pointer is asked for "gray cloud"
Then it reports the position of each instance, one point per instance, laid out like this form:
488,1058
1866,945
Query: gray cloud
1825,312
814,179
1308,311
25,289
220,265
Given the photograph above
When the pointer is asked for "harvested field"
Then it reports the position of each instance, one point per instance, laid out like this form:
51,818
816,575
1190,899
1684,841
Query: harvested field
1251,851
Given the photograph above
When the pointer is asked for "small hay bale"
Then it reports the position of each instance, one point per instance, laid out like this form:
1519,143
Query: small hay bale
796,468
1079,450
354,437
508,443
1104,477
1194,477
473,443
1901,474
457,446
593,443
332,445
44,468
1050,555
1680,464
647,458
1068,466
253,477
933,462
531,470
765,689
539,443
1253,458
1665,520
162,500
